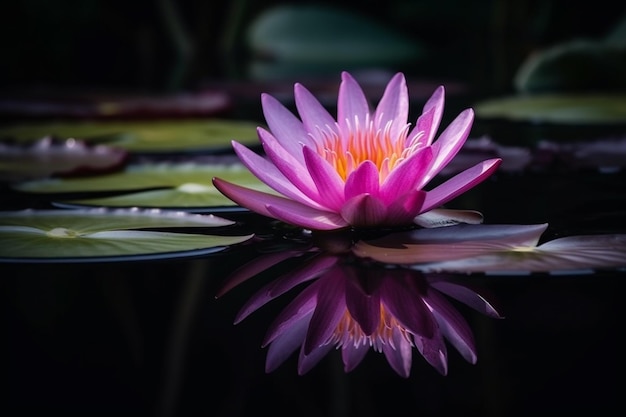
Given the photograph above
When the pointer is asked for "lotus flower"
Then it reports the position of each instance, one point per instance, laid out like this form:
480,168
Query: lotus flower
354,308
366,169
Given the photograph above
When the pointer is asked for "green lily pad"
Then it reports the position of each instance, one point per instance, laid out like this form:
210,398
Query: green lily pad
573,109
154,136
46,157
184,186
102,235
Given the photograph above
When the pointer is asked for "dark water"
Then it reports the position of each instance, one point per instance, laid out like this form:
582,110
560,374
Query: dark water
150,338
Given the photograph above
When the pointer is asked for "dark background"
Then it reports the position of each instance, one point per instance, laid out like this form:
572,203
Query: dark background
150,339
164,45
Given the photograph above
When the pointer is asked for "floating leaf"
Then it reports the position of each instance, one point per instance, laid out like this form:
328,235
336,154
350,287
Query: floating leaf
152,136
106,235
184,185
495,248
93,105
576,109
46,157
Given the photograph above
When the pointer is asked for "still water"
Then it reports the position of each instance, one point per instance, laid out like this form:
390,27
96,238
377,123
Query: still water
151,338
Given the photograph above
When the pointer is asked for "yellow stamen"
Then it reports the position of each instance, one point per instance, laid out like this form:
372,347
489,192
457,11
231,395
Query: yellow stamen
349,331
366,143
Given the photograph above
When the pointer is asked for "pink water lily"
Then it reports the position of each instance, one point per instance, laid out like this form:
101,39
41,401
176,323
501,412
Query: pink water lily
365,169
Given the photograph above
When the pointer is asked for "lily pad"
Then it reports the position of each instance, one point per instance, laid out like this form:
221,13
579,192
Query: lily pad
103,235
155,136
510,249
46,157
571,109
167,185
93,105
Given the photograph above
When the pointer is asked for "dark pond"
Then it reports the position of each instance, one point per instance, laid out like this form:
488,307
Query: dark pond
150,337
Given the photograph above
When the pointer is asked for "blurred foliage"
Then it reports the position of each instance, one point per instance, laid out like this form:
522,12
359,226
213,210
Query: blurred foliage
175,44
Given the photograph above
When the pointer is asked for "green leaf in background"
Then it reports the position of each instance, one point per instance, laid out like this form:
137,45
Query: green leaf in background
106,235
45,157
290,36
187,185
154,136
575,109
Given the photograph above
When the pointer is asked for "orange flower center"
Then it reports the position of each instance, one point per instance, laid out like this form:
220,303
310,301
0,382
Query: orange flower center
345,152
348,331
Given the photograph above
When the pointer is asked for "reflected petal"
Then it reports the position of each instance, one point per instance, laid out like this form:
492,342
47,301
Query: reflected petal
452,325
434,351
287,343
354,307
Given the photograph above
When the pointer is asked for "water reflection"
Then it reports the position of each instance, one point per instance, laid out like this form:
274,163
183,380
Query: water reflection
499,248
353,305
396,292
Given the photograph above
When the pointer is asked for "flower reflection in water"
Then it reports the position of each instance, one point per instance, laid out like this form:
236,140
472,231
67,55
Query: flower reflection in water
393,293
355,306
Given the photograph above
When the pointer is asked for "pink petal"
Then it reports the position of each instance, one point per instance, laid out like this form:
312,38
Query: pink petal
363,307
304,216
351,102
363,180
429,120
449,143
286,127
283,284
407,176
280,208
364,210
271,175
393,106
434,351
311,269
403,210
329,184
252,269
460,183
405,303
466,296
289,167
286,343
299,308
331,306
313,114
307,362
246,197
399,353
353,355
452,325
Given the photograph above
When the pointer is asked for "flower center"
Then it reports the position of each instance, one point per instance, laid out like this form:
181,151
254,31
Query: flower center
348,331
359,143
